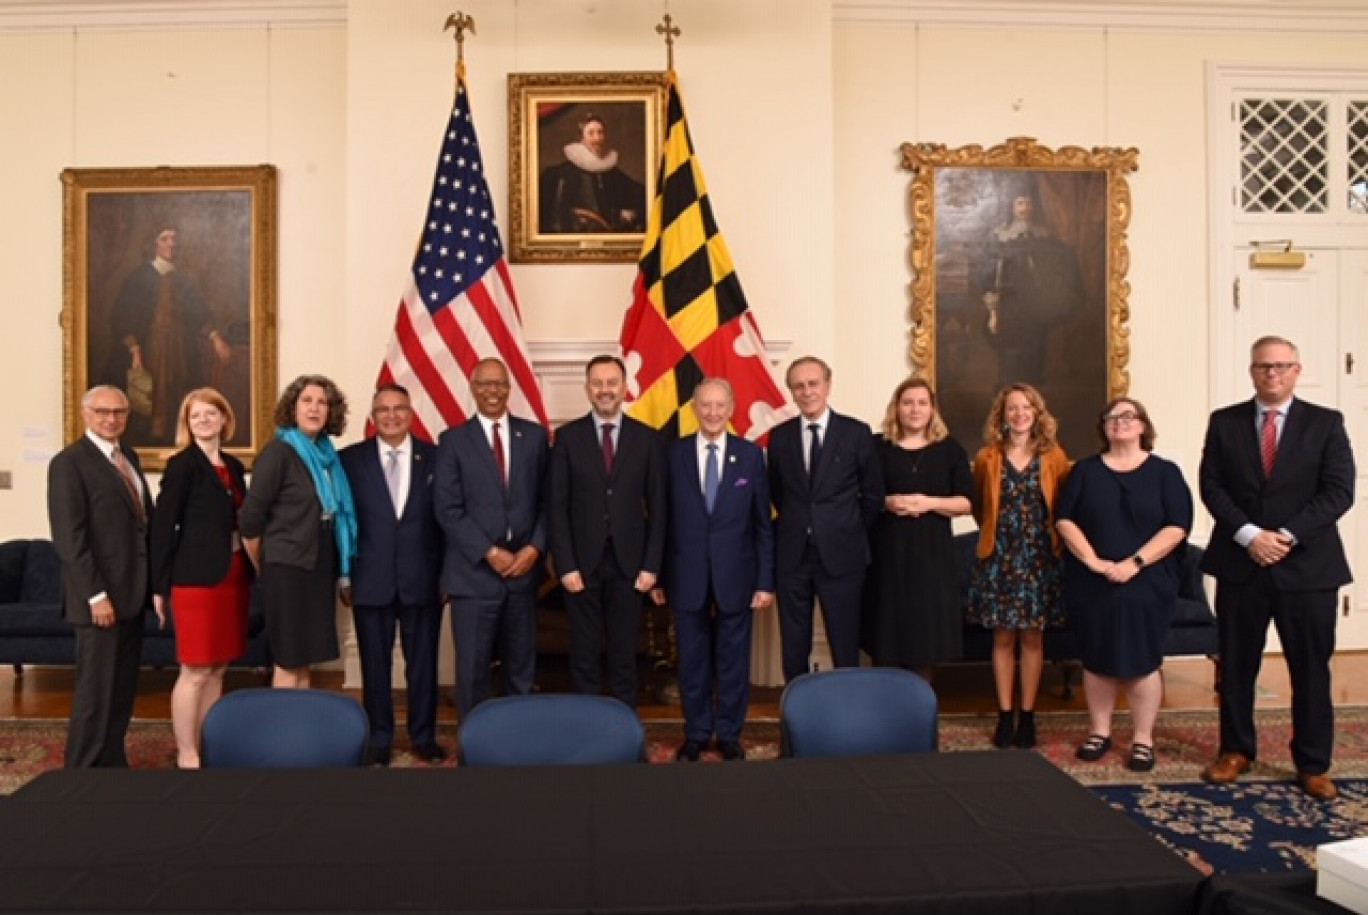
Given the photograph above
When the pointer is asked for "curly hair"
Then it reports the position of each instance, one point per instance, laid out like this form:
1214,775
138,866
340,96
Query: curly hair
210,397
936,430
1043,434
1147,433
284,415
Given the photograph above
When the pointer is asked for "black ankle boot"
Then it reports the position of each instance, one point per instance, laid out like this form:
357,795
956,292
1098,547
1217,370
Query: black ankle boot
1025,731
1002,737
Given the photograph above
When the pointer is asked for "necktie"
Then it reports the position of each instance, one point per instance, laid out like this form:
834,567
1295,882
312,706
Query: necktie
608,447
814,448
392,479
711,478
1268,441
497,445
126,471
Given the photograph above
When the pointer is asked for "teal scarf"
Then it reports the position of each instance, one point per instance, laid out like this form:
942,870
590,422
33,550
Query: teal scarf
330,482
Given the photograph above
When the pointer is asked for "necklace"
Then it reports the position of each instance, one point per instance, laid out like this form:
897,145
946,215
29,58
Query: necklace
914,457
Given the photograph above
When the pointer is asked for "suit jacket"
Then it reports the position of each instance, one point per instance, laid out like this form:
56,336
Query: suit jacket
396,556
733,547
192,528
585,501
282,507
838,505
95,529
477,511
1311,487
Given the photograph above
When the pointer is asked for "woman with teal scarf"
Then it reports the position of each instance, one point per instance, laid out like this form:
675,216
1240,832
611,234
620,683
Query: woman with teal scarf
298,525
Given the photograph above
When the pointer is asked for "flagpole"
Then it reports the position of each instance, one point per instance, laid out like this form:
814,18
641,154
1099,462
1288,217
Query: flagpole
670,31
460,22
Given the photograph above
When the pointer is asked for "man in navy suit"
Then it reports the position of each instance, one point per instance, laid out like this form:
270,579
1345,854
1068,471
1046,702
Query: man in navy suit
490,502
395,573
99,506
607,524
1277,474
719,569
828,490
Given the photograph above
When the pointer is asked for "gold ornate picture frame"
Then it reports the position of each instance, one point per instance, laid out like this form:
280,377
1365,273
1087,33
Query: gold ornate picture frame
170,284
1019,262
583,152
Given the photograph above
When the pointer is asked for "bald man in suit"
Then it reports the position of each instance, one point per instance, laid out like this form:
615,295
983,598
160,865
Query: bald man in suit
99,507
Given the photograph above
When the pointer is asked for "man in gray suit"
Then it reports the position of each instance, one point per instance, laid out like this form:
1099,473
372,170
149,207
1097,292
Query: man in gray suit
492,509
99,506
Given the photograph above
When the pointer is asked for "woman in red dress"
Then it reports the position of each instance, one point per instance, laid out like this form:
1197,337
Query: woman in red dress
199,568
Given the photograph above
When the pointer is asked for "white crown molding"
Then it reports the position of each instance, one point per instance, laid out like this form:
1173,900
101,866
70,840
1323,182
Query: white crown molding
1207,16
166,15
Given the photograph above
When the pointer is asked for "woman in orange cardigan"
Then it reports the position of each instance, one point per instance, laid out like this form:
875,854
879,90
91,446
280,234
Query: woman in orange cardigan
1014,589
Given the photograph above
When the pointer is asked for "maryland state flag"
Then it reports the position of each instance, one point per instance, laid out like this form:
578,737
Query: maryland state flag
688,319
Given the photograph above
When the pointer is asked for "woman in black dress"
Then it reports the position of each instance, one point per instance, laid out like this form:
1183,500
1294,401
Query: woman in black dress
912,616
1123,514
299,527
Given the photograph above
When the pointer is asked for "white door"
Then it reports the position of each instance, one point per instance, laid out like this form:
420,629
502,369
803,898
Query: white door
1320,307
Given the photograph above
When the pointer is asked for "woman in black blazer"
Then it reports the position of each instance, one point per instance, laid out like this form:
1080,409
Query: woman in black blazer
199,567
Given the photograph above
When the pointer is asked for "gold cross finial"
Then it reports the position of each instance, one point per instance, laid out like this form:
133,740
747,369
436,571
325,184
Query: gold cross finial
671,32
461,23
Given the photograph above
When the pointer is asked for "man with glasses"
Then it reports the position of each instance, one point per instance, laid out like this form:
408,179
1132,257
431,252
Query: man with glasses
1277,473
99,506
491,504
395,572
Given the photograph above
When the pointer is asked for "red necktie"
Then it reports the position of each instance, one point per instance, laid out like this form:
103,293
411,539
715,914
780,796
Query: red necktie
1268,441
499,456
608,447
126,471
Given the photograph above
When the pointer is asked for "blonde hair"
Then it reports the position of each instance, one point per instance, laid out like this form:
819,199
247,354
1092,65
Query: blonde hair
1043,434
936,430
214,399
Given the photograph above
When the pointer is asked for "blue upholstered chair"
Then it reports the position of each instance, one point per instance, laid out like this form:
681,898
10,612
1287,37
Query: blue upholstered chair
550,730
284,729
857,711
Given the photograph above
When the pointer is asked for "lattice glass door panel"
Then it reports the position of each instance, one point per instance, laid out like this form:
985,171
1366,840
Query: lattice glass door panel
1284,155
1356,139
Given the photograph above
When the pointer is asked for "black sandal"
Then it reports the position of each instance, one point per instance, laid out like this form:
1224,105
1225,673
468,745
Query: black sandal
1094,748
1141,758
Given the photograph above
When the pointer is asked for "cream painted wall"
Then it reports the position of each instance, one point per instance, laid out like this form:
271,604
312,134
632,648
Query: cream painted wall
896,83
181,98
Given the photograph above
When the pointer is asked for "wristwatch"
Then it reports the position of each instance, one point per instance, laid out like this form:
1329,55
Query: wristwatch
1138,560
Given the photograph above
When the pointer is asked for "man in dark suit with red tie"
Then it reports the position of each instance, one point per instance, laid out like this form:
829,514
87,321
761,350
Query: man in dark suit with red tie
1277,473
99,507
395,573
719,569
828,490
607,523
491,503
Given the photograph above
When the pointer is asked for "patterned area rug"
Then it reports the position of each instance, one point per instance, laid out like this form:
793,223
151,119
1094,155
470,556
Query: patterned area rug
1243,828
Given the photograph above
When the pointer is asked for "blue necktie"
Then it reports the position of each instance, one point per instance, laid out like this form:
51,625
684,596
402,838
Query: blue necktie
814,448
711,478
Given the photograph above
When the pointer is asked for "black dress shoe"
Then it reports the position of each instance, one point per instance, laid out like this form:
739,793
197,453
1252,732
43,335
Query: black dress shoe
732,750
688,751
430,752
380,756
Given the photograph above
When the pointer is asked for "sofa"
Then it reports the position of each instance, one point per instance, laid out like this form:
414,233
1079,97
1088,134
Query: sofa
33,629
1192,622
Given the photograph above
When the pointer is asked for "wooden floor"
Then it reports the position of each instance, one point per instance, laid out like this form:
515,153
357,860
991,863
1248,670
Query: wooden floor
42,692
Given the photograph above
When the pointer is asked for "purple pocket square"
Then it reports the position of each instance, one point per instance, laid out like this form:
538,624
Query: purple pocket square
741,481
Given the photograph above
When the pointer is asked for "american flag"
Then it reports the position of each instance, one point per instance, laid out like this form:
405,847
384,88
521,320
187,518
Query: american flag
458,306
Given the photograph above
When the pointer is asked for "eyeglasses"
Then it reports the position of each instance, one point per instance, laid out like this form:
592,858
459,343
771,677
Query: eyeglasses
385,411
109,412
1117,419
1277,368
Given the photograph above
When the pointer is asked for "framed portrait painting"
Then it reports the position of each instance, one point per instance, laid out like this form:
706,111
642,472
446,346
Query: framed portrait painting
1019,263
169,286
583,152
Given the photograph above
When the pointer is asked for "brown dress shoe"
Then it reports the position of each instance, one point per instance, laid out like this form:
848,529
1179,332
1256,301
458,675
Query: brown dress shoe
1318,786
1227,768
